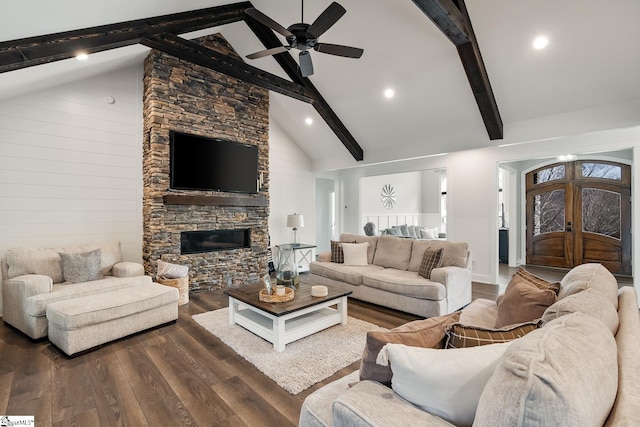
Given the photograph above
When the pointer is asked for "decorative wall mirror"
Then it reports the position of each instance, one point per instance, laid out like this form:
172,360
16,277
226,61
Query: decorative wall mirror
388,196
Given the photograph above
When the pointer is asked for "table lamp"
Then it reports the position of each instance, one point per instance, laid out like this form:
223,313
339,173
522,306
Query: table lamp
295,220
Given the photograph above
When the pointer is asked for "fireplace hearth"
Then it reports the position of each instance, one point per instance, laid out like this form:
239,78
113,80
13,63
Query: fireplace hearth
194,242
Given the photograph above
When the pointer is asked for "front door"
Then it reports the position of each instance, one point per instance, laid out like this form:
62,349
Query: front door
579,212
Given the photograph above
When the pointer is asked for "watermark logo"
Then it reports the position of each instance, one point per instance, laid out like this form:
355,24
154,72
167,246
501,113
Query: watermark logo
16,420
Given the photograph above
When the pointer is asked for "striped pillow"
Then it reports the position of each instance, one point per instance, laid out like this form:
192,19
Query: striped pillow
461,336
430,260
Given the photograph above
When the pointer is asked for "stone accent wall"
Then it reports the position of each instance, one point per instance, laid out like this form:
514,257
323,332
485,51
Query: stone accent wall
181,96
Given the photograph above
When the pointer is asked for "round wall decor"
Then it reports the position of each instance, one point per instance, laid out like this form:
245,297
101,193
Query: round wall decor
388,196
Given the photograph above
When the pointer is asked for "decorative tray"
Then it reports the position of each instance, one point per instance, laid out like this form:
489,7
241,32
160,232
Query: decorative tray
288,296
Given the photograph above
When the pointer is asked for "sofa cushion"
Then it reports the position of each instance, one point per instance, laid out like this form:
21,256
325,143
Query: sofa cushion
36,305
462,336
344,273
430,260
43,261
480,312
589,301
453,253
393,252
407,283
355,253
427,333
523,301
447,383
82,267
358,238
594,276
563,374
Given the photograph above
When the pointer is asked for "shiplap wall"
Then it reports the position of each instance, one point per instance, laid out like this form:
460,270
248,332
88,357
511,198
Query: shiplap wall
71,165
291,188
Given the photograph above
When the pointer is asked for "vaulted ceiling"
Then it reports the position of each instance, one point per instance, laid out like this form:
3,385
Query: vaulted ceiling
585,80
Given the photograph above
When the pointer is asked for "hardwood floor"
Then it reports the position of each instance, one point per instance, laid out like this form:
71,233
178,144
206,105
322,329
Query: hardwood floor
175,375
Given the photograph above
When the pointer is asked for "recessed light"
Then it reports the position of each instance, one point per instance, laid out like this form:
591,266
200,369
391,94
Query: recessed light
540,42
389,93
308,121
82,57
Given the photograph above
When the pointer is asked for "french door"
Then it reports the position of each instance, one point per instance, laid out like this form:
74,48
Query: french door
580,212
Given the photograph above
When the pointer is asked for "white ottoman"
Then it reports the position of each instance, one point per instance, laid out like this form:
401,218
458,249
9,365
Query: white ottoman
82,323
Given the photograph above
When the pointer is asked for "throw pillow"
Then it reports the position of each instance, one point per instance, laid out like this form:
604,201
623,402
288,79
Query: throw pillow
428,333
83,267
427,233
404,229
430,260
412,231
539,282
523,301
167,270
446,383
393,232
355,253
462,336
337,255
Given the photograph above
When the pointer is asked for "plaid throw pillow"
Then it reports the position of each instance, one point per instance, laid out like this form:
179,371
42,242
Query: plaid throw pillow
537,281
430,260
337,255
461,336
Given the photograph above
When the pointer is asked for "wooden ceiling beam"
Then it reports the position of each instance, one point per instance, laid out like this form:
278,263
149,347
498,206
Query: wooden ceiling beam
290,66
208,58
452,18
27,52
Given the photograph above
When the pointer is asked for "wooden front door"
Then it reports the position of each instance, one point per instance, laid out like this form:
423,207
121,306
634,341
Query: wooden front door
579,212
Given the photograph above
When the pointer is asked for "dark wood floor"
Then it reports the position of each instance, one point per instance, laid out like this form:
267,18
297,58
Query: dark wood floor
175,375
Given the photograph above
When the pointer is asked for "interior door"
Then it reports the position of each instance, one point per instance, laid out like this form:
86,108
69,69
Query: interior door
580,212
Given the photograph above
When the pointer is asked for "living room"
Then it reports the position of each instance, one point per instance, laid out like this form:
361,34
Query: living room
72,145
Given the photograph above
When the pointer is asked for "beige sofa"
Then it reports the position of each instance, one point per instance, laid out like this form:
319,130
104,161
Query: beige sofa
581,368
391,279
33,278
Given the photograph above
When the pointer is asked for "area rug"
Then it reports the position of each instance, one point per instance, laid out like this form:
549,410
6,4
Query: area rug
303,363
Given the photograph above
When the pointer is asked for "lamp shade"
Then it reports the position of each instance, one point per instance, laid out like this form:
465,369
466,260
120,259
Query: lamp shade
295,220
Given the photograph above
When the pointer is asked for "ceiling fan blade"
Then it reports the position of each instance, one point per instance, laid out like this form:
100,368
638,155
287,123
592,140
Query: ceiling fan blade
340,50
306,66
272,51
326,19
267,22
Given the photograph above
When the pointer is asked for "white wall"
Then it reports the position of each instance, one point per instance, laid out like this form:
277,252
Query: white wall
472,183
291,188
71,165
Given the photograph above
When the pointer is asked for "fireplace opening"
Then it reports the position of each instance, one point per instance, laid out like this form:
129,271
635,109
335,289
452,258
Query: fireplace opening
193,242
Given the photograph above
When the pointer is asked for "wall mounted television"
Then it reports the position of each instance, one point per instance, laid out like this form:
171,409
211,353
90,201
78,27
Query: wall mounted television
199,163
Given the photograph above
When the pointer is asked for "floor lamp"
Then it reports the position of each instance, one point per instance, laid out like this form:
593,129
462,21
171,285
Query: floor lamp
295,220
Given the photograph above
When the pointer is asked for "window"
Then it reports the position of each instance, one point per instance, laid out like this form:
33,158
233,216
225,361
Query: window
549,174
601,170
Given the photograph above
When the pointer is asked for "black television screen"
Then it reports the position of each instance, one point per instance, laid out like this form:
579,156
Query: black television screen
199,163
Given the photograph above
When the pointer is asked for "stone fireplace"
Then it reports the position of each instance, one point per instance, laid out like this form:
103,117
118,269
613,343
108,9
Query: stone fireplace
220,236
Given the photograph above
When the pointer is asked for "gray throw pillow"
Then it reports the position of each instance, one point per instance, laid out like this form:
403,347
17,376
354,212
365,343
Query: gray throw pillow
83,267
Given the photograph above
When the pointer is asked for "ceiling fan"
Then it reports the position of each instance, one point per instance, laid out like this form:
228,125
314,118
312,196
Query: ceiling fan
303,37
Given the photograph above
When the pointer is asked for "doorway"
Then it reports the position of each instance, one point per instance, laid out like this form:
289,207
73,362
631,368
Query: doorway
579,212
325,213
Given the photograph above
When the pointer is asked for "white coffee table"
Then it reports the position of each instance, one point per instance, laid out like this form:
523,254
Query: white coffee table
282,323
